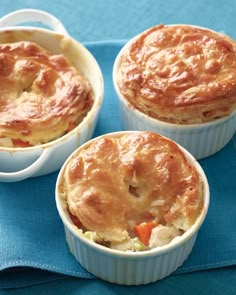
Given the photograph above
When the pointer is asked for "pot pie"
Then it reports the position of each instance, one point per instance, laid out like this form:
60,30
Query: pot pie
42,96
180,74
131,193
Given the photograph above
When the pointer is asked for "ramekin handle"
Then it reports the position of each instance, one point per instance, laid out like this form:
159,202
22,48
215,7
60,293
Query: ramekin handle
27,172
32,15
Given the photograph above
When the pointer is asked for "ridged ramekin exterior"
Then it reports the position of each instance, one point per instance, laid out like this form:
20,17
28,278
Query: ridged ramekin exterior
129,268
201,140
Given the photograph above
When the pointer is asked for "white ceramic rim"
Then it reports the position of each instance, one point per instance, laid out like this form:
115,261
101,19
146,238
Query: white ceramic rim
149,253
168,125
32,15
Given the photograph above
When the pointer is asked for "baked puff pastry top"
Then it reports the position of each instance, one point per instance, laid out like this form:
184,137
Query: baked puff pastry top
119,182
42,96
180,74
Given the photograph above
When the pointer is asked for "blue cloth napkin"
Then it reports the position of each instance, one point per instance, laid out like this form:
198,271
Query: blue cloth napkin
31,232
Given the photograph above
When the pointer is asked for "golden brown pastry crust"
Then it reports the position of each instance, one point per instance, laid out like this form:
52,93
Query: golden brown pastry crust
118,182
41,95
180,74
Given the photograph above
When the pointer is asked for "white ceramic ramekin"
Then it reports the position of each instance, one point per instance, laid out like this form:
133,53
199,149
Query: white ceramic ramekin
201,140
129,268
19,163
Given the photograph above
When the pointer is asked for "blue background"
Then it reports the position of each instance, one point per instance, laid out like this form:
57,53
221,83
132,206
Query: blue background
100,20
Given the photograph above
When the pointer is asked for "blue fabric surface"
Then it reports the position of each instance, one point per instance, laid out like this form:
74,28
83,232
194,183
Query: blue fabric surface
97,20
217,282
32,234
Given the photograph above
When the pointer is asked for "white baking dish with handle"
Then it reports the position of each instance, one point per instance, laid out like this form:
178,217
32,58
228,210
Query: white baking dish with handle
17,164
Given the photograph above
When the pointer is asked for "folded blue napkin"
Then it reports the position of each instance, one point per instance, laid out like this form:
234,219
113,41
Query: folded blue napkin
32,234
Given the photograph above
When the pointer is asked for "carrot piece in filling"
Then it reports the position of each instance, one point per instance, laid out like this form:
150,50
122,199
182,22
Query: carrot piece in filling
20,143
143,231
